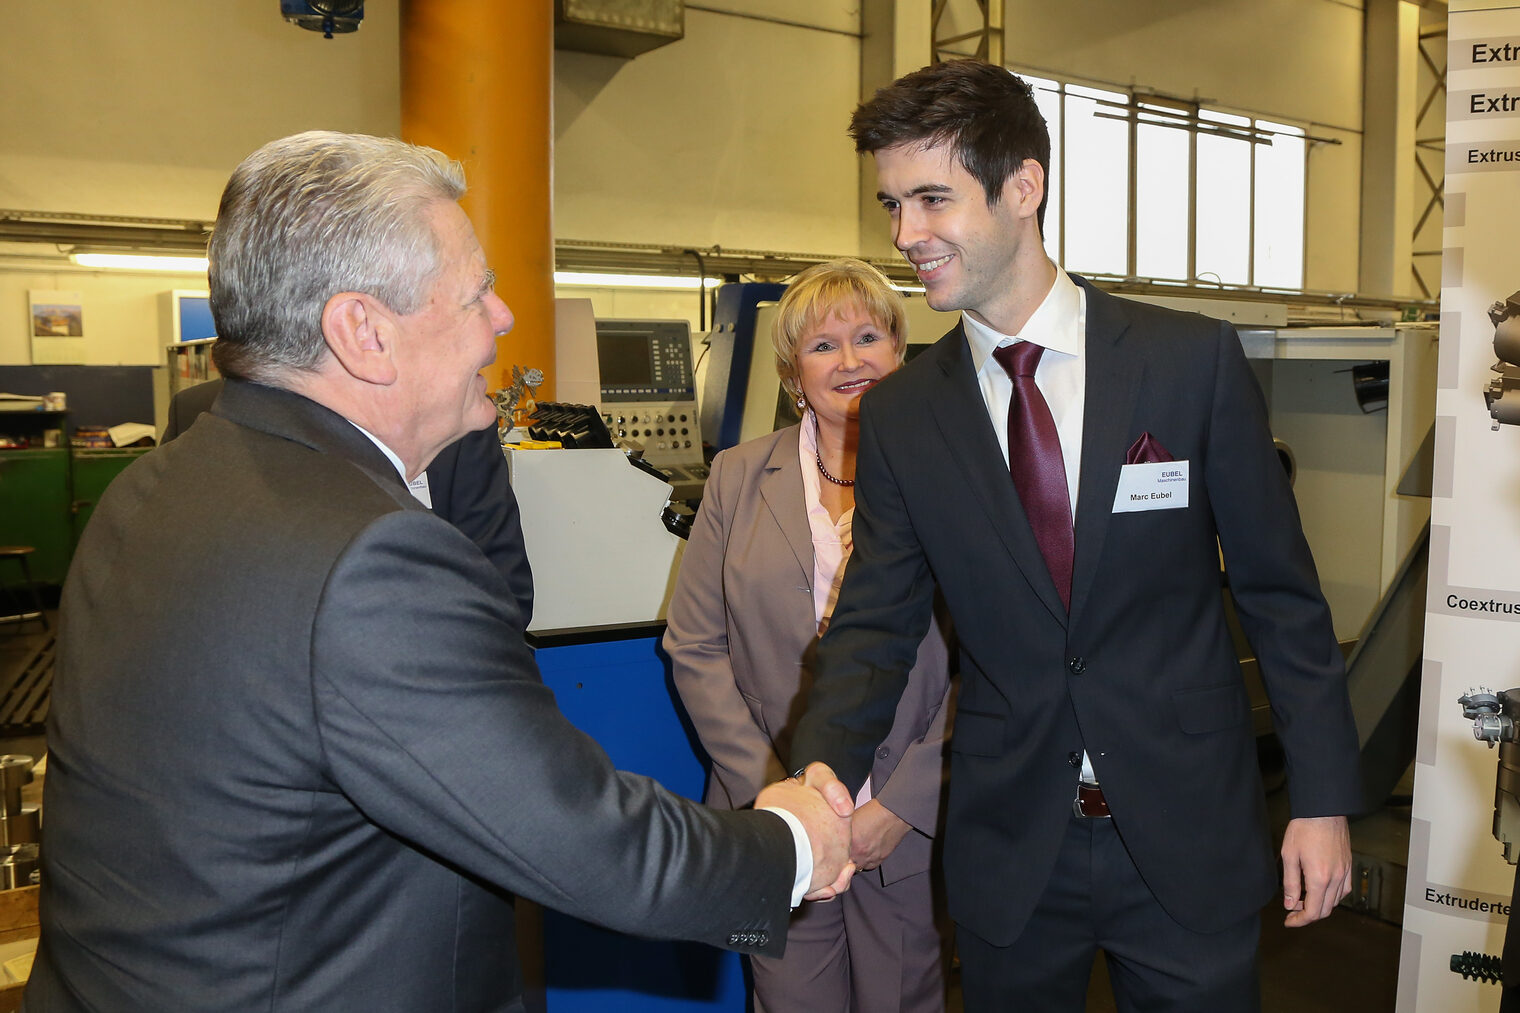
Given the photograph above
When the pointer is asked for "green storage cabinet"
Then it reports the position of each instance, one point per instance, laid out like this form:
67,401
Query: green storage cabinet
35,510
93,471
46,498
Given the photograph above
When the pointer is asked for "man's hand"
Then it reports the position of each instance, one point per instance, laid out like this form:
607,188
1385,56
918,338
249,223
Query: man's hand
875,831
1316,857
823,804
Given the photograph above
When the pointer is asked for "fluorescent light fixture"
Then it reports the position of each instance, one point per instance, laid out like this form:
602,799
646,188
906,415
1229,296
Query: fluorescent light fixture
910,289
630,280
141,262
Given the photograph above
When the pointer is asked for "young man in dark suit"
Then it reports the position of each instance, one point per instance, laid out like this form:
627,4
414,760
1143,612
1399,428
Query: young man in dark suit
1090,459
300,756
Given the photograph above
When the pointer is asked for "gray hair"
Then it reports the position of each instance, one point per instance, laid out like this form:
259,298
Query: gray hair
309,216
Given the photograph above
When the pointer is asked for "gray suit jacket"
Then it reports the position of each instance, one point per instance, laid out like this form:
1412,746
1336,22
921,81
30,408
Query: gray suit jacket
740,632
300,752
469,483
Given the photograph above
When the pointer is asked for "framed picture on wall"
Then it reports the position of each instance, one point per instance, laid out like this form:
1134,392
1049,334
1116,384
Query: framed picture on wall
56,326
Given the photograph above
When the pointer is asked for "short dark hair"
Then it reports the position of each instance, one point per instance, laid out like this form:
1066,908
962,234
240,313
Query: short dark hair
985,113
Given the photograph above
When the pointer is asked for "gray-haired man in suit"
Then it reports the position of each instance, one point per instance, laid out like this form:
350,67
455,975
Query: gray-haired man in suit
299,750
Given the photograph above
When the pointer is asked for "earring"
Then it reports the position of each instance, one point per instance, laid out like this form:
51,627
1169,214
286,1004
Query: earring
801,404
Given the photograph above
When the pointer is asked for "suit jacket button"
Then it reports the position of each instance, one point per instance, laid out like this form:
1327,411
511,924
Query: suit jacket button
761,938
1074,758
733,939
882,752
1077,666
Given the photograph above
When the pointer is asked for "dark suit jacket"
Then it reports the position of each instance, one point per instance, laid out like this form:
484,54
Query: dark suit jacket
740,627
299,752
469,483
1142,673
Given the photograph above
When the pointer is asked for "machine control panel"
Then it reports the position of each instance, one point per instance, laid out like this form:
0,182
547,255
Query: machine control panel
649,397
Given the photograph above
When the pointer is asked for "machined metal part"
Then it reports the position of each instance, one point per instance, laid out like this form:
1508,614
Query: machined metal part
18,866
1502,394
15,774
19,823
1496,718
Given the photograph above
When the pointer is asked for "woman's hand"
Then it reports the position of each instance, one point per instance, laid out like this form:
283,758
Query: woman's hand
874,832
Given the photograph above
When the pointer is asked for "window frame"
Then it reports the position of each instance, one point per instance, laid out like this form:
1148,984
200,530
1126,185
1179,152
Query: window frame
1151,108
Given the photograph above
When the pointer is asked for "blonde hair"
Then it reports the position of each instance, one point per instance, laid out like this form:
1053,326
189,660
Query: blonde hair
826,289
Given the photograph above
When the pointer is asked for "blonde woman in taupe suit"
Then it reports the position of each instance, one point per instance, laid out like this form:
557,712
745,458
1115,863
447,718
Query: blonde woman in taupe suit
756,588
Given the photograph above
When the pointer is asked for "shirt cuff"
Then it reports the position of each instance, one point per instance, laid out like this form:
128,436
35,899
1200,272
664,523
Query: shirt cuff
804,853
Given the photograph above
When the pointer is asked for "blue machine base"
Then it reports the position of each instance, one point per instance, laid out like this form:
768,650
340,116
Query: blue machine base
619,692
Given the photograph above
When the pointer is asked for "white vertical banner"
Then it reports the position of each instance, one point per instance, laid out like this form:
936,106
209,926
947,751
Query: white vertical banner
1458,898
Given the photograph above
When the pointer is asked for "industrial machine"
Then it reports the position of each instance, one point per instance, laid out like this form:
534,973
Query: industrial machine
20,824
741,391
728,362
649,397
602,555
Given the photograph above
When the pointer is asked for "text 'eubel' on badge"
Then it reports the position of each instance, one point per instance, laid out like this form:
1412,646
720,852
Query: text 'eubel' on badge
1159,486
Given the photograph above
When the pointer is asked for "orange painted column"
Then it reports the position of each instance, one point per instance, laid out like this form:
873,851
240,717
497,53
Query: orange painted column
476,80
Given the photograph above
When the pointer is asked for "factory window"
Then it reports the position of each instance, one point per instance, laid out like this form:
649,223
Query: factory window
1096,207
1152,187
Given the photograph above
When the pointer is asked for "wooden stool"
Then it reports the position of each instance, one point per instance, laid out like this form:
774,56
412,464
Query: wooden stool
19,554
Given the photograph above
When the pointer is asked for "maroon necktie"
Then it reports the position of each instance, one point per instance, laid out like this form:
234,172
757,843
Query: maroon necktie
1034,459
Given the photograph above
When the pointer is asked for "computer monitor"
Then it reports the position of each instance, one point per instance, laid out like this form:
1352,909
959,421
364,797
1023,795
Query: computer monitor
649,396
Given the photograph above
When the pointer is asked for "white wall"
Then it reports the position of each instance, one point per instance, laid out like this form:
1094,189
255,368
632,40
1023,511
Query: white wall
143,108
733,136
1296,59
121,312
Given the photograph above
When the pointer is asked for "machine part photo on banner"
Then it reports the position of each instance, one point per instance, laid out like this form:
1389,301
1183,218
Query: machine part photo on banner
1465,825
1503,392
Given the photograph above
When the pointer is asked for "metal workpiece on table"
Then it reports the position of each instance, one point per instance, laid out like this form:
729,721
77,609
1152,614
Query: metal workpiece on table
19,823
18,866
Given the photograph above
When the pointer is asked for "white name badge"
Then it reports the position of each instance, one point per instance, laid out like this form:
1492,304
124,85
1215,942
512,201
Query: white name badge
419,488
1159,486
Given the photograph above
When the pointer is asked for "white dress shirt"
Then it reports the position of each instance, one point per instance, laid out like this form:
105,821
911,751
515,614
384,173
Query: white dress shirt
418,486
1059,325
832,542
832,539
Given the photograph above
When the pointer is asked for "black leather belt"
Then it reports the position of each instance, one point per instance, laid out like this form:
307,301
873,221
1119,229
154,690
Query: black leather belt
1090,803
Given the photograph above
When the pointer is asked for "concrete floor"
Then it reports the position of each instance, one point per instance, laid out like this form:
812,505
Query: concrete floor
1347,962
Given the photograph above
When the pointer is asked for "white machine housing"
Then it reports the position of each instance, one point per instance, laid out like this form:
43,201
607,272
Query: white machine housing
600,553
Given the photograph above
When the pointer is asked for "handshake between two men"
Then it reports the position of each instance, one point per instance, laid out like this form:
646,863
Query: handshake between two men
844,838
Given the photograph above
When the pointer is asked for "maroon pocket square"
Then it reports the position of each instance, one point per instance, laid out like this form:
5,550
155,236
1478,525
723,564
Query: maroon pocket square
1147,450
